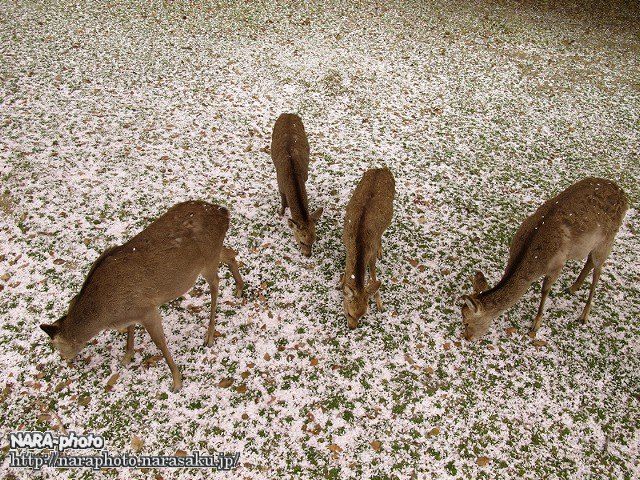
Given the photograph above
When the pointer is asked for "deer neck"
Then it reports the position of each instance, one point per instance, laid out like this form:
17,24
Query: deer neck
505,294
355,269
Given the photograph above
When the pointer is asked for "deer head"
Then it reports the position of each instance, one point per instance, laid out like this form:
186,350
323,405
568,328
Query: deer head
305,232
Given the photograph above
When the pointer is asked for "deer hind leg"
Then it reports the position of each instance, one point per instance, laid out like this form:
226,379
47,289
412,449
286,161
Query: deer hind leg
228,257
212,278
283,204
598,257
372,273
128,353
588,266
153,324
597,269
380,249
546,288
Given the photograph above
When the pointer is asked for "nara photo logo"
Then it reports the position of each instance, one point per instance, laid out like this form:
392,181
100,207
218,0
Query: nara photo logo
41,440
53,446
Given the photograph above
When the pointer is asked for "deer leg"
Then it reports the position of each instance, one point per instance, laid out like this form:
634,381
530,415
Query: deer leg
546,288
153,324
340,285
228,257
380,249
283,203
372,273
128,353
214,281
587,308
588,266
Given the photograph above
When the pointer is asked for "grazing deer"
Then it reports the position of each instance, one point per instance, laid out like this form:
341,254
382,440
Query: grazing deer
126,284
290,155
582,221
368,215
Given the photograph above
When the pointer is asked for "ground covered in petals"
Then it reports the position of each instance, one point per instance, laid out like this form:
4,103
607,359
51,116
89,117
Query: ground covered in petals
110,112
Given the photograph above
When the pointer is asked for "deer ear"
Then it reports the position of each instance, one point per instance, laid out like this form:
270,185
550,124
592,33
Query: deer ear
50,329
373,287
317,214
479,282
471,303
348,291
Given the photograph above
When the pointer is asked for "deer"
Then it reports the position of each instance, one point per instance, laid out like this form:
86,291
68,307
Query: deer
290,155
127,284
580,222
368,215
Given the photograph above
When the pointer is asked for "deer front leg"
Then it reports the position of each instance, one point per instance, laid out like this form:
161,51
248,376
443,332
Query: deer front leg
546,288
128,354
153,324
380,249
214,282
228,257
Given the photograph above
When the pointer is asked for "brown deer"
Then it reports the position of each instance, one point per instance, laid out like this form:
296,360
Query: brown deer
126,284
368,215
290,155
582,221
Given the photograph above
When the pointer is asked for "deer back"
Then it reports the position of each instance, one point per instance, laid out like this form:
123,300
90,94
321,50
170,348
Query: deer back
290,155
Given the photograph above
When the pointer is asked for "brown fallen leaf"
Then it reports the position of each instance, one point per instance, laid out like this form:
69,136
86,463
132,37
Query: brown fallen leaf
510,331
152,360
376,445
5,393
113,379
335,448
180,453
314,361
483,461
62,385
136,443
58,261
447,346
433,432
267,357
84,399
241,388
44,417
539,343
225,382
